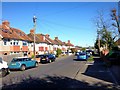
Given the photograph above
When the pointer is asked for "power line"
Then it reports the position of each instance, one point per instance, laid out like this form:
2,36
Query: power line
62,25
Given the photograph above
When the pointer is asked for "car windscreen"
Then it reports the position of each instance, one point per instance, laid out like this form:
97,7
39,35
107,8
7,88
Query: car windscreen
82,54
16,60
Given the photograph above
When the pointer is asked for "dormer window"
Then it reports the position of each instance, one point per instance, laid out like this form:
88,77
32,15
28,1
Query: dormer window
4,42
20,34
6,31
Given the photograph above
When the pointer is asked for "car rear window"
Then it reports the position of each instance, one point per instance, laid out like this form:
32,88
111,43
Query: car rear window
38,56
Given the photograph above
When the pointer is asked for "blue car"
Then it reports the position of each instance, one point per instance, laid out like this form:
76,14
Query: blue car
82,56
22,63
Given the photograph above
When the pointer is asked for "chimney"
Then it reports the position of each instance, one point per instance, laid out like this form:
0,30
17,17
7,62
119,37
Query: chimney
68,41
56,38
32,31
47,35
6,24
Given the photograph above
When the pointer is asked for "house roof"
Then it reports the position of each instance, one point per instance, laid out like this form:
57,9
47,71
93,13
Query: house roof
69,43
118,42
39,38
12,33
58,42
47,37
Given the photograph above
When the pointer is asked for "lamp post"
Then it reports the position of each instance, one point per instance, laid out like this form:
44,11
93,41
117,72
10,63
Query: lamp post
34,21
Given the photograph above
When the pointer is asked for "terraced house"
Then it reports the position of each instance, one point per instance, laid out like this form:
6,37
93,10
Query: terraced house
13,41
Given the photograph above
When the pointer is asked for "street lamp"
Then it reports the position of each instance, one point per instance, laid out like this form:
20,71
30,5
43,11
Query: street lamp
34,21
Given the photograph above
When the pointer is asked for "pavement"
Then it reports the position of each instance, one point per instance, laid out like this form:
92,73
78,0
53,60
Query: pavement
96,75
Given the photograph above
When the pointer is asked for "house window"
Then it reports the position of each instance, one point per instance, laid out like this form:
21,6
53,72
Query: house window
16,43
41,48
54,49
24,43
13,43
10,43
5,42
46,48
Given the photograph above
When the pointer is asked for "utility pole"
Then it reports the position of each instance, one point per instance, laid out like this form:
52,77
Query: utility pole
98,41
34,21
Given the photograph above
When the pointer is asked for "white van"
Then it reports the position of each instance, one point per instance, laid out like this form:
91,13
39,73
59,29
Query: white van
3,68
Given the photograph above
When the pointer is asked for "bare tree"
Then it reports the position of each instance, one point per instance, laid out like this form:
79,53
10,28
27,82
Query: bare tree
116,19
104,30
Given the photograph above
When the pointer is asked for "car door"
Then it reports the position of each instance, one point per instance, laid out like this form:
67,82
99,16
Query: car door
31,62
27,62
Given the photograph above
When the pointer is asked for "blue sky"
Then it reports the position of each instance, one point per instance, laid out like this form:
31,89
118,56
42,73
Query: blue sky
66,20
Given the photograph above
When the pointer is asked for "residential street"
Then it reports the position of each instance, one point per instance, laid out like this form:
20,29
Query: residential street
65,72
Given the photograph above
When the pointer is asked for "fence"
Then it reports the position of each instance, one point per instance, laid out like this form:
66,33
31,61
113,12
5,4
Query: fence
8,58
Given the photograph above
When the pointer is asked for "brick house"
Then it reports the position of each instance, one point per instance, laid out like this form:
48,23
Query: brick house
59,43
12,40
69,44
51,44
41,45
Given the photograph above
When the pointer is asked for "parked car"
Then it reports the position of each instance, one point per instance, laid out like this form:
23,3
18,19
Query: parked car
82,56
47,58
38,57
22,63
77,53
88,54
4,70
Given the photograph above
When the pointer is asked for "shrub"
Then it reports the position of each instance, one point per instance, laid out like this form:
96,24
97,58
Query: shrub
32,56
90,58
59,51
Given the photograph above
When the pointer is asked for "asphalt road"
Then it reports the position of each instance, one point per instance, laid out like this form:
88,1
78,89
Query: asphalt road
60,73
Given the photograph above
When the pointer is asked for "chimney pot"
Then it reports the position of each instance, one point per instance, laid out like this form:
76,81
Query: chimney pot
32,31
68,41
56,38
47,35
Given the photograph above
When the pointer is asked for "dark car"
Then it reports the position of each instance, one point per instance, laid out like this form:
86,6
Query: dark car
47,58
38,57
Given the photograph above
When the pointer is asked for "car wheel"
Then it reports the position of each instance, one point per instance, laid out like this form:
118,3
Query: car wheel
8,71
23,67
50,61
36,64
4,72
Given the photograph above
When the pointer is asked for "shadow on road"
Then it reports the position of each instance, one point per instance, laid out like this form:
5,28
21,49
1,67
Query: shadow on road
54,82
98,70
79,60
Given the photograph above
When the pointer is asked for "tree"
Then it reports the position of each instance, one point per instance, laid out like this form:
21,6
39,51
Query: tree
59,51
115,18
105,36
101,43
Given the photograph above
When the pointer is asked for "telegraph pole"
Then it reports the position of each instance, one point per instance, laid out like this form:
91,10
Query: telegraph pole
34,21
99,41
